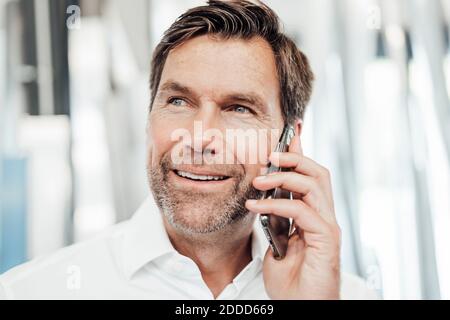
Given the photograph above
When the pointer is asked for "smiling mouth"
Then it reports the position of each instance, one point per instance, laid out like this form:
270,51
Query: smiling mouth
198,177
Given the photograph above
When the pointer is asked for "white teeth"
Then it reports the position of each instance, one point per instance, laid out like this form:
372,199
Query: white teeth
199,177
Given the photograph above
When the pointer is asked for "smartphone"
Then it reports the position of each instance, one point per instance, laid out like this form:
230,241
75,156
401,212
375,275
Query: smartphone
278,229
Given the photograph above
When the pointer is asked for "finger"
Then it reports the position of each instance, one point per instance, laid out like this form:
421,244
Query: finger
299,163
304,165
309,188
294,252
290,181
302,214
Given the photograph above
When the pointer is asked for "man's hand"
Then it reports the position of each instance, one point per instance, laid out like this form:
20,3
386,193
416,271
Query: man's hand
310,269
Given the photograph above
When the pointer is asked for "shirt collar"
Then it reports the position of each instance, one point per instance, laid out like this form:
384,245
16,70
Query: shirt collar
146,238
259,241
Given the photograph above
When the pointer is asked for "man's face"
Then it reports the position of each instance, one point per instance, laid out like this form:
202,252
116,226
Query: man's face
212,91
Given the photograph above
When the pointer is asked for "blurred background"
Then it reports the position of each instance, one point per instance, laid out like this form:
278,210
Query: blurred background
73,105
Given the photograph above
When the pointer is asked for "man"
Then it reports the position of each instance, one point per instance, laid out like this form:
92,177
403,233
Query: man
220,68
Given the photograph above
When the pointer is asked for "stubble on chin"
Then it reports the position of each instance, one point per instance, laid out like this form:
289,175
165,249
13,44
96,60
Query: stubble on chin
191,212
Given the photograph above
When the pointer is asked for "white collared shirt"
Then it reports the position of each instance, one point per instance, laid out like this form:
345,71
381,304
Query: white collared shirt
136,260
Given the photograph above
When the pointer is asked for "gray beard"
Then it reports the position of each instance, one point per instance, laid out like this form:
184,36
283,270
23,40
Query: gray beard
194,212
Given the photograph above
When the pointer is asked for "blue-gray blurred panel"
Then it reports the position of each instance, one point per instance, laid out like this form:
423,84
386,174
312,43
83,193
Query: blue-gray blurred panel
13,209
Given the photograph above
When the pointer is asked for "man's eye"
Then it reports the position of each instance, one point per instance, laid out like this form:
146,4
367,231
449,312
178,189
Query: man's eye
241,109
177,102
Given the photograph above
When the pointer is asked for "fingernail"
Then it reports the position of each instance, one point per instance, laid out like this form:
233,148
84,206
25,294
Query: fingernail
260,178
251,202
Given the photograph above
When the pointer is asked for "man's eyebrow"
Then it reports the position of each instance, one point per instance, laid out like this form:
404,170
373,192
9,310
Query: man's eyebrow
175,86
250,98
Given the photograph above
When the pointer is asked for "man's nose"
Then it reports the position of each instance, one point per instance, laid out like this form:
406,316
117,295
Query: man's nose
206,131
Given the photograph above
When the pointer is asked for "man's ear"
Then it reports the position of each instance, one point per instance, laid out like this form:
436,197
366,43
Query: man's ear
298,127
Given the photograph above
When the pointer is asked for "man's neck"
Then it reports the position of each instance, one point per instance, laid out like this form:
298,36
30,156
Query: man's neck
220,256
